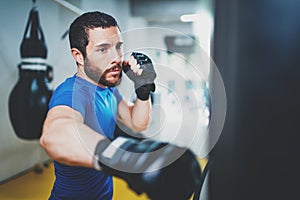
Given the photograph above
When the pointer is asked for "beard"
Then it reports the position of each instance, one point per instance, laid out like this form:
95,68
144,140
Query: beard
103,80
100,76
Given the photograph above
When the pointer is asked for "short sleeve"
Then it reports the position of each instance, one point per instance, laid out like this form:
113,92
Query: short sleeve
65,95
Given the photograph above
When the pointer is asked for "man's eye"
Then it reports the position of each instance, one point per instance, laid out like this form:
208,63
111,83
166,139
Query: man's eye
119,46
102,49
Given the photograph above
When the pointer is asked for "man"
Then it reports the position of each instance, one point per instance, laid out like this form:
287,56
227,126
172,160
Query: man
79,128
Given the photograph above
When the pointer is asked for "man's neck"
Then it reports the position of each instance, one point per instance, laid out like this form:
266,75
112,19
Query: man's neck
83,75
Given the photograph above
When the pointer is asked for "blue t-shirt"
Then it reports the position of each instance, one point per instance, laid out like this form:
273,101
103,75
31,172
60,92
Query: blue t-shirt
98,106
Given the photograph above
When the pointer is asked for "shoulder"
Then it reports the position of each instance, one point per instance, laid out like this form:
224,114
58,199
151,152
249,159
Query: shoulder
76,85
71,92
66,85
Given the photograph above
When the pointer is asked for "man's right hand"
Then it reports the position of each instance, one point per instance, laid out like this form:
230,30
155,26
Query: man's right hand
143,77
161,170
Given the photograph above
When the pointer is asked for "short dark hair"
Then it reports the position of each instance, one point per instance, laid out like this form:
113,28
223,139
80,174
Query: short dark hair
78,32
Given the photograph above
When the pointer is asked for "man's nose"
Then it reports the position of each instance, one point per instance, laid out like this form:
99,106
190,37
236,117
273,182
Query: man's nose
116,56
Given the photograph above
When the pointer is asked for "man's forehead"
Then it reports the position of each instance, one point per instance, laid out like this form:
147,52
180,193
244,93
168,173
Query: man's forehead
110,33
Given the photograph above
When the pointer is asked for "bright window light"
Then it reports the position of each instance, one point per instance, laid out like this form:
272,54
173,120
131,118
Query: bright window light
189,17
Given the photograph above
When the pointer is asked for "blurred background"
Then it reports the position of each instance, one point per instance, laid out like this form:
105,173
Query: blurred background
252,47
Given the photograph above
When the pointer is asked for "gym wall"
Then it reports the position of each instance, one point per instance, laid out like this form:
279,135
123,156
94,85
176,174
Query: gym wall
17,154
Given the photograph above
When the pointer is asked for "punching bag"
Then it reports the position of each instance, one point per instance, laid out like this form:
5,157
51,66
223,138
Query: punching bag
28,101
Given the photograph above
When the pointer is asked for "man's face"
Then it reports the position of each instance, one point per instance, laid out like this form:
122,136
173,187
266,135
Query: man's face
103,62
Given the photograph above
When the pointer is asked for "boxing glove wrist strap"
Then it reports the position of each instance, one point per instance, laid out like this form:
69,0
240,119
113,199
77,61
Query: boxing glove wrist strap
106,149
143,92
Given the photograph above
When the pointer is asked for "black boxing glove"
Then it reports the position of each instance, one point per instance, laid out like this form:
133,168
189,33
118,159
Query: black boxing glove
144,83
161,170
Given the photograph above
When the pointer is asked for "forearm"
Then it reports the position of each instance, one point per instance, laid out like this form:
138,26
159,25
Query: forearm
69,141
141,71
135,116
141,114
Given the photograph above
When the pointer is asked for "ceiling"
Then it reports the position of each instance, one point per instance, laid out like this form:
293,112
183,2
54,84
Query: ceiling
162,10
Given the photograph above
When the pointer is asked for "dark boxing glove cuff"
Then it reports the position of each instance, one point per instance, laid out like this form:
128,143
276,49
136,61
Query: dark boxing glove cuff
143,92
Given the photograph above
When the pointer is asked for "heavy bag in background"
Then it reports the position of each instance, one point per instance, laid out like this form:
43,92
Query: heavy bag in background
28,101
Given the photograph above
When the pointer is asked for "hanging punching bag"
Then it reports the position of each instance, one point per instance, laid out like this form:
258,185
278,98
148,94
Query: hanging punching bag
28,101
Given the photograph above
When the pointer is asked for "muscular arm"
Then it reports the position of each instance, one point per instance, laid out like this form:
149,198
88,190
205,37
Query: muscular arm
67,139
136,116
140,70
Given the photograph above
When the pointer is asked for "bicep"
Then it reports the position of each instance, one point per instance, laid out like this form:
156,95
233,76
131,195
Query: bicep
58,119
67,139
134,116
125,113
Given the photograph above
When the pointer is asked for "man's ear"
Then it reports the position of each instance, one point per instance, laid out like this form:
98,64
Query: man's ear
77,55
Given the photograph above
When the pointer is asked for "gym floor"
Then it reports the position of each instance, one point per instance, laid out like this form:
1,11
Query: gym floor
36,185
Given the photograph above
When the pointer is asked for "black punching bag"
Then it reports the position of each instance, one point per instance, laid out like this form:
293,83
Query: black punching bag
28,101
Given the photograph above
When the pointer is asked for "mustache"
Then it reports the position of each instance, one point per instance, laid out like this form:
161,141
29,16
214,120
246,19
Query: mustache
113,68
